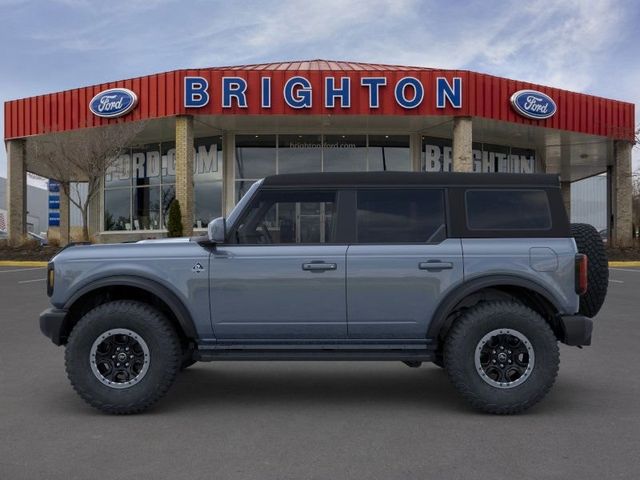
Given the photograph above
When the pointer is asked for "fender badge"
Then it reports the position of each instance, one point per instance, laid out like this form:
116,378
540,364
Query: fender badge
197,268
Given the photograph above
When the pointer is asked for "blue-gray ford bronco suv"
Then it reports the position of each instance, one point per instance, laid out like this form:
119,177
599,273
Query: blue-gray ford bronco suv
481,274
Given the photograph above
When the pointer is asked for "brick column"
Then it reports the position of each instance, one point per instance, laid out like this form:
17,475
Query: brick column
64,215
462,144
16,191
621,235
184,171
566,197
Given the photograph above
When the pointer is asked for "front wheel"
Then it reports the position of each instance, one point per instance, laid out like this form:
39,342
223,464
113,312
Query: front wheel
122,356
502,357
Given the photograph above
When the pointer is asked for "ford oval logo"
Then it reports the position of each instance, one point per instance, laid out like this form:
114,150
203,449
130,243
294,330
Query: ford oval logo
114,102
533,104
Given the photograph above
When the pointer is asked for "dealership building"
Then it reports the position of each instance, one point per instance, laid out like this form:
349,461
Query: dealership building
210,133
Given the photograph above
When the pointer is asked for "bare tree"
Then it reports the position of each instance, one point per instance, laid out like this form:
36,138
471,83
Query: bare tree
82,156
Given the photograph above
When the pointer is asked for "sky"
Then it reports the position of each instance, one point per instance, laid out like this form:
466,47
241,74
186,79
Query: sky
588,46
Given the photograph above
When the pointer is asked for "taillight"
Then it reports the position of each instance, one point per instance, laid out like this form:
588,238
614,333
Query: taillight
581,274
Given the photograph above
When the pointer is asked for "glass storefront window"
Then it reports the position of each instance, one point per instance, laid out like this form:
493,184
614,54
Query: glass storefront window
255,156
299,153
117,209
208,202
344,153
389,153
487,158
151,169
168,195
146,208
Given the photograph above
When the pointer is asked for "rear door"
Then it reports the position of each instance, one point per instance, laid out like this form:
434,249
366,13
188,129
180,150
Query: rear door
401,264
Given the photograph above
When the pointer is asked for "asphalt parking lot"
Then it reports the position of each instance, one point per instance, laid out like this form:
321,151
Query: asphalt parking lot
319,420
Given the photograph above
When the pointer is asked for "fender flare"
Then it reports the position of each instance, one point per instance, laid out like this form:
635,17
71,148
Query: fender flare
467,288
151,286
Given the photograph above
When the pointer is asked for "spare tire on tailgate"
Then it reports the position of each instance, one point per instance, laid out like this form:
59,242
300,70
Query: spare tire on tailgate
589,242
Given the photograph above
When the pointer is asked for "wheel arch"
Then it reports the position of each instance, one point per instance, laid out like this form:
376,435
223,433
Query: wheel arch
133,288
531,293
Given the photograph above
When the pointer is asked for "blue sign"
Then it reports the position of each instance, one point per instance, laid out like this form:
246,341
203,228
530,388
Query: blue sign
54,187
54,202
533,104
54,219
113,103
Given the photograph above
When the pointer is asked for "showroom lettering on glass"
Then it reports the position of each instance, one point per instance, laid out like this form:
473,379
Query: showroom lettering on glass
151,164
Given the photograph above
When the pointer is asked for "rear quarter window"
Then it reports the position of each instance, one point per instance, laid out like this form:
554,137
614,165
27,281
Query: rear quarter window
507,209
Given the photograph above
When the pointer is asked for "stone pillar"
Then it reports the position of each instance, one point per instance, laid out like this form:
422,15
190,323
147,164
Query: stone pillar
565,188
228,173
462,144
184,171
65,226
621,235
16,191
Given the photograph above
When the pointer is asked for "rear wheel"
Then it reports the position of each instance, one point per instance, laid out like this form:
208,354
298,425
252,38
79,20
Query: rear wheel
589,242
501,356
122,356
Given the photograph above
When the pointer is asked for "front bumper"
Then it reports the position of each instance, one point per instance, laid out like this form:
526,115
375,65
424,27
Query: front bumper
53,324
576,330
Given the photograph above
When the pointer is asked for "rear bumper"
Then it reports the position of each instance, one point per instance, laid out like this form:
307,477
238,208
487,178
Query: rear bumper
53,325
576,330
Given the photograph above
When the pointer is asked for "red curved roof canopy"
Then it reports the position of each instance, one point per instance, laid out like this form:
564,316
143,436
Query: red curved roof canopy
161,95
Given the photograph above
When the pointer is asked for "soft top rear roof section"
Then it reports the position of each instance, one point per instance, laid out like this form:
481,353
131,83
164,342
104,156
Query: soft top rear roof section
442,179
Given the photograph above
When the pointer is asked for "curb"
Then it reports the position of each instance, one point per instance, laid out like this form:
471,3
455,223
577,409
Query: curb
624,264
21,263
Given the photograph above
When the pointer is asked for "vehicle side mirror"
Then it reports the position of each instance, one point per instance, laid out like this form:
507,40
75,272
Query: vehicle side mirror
217,230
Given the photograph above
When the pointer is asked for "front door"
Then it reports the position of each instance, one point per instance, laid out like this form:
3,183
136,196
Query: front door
282,275
401,264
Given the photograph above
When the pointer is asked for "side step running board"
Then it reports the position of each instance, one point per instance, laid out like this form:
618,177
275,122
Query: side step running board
421,355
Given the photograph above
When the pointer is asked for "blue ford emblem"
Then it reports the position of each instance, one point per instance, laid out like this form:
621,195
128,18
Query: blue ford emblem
114,102
533,104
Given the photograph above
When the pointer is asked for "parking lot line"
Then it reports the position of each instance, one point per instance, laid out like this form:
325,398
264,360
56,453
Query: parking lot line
21,270
30,281
637,270
615,281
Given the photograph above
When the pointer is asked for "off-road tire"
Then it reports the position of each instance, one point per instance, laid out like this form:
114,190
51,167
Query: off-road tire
464,337
165,355
589,242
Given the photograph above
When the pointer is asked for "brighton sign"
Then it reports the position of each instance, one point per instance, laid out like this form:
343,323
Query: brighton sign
113,103
533,104
297,92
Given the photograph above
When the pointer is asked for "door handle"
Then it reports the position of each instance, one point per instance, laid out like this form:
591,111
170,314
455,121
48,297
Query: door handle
319,266
435,265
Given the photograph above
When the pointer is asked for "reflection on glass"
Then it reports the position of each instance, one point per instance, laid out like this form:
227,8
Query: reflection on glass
389,153
168,195
299,153
208,203
208,159
146,208
255,156
117,214
345,153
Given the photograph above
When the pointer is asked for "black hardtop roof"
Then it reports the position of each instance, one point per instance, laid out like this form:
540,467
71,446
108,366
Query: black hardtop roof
413,178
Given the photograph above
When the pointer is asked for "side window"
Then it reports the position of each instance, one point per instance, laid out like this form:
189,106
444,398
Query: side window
507,210
289,217
400,216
